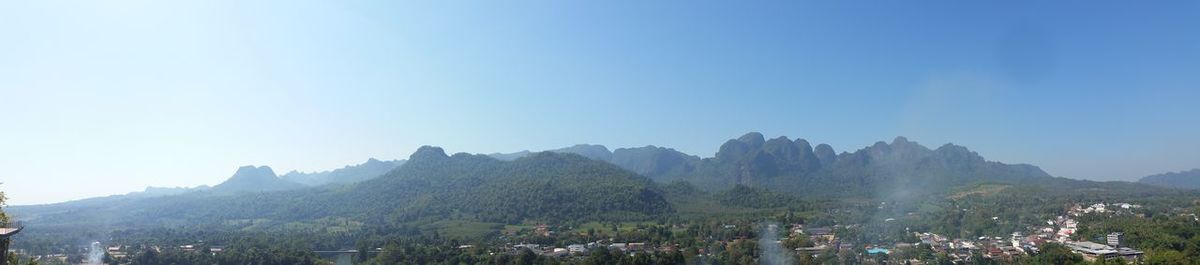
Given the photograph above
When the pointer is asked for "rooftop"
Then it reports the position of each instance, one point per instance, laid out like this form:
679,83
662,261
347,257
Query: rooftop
6,232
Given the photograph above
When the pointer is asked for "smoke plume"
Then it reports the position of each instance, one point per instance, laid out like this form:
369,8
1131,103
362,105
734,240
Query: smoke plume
95,254
773,252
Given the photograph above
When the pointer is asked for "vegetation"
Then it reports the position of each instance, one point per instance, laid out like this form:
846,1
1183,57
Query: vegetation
3,217
455,209
1181,180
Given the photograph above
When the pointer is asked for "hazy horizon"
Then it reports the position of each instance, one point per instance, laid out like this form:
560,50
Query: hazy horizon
103,98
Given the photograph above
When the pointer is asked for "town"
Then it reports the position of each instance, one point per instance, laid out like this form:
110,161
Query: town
808,243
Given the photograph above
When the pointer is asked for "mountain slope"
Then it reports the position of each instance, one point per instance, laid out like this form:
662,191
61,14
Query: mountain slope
651,161
543,185
899,168
254,179
350,174
1184,179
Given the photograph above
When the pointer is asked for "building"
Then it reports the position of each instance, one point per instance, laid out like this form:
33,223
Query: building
618,246
1130,255
820,234
5,234
530,247
812,251
1094,251
543,230
1114,239
577,248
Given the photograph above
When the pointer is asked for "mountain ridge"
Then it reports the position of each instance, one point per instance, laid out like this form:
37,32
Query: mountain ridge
795,165
254,179
349,174
1187,179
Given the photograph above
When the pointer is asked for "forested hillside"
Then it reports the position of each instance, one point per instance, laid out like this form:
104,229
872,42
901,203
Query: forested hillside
1181,180
901,168
431,186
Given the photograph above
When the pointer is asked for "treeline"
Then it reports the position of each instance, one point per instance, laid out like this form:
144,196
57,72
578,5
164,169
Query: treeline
264,255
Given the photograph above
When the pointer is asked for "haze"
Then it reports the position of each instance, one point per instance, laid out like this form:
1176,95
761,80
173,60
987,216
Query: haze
108,97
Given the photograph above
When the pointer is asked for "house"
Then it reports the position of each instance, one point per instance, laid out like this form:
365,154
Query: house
637,247
115,252
813,251
797,229
531,247
820,234
619,246
668,248
577,248
559,252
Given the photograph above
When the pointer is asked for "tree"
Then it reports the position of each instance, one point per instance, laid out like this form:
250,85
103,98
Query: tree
1166,257
3,217
1052,253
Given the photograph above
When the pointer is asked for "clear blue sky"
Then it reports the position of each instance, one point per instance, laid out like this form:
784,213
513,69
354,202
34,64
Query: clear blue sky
107,97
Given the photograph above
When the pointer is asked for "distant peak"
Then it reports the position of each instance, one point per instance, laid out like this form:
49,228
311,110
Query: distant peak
900,140
802,143
958,150
589,145
253,171
951,146
428,152
825,148
880,145
754,139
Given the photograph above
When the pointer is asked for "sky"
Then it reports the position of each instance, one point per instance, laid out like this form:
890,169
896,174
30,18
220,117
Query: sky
108,97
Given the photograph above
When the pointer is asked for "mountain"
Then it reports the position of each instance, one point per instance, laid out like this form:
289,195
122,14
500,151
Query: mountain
254,179
651,161
510,156
166,191
431,186
654,162
507,191
900,168
349,174
1184,179
593,151
780,164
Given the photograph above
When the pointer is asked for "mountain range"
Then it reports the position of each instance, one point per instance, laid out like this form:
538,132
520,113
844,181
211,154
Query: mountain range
346,175
577,183
1189,179
795,166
